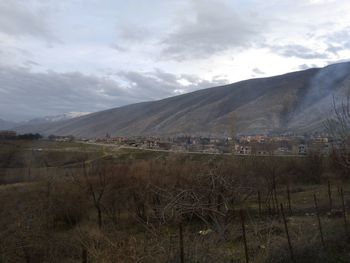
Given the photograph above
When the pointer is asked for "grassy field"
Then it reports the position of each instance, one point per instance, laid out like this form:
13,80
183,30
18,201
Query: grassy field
70,202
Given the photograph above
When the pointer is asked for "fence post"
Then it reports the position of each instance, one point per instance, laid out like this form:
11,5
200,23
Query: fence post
330,196
289,201
319,221
181,243
344,210
244,236
259,200
275,193
287,233
84,256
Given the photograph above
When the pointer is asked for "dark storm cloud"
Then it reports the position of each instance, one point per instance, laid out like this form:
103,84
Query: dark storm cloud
19,19
212,27
25,94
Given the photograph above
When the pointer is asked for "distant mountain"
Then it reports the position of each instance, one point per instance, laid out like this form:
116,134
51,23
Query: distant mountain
50,119
298,101
6,125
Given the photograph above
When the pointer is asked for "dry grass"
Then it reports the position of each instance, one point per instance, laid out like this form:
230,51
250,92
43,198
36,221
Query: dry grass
141,198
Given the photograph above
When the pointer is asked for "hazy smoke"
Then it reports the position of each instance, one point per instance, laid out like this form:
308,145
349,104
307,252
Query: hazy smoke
328,83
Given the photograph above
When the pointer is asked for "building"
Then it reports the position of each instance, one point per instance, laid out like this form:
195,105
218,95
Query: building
243,149
302,149
261,149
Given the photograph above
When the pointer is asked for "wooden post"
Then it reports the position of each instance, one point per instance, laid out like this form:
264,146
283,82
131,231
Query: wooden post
289,201
259,200
319,221
244,237
344,210
182,255
84,256
275,194
268,203
330,196
287,233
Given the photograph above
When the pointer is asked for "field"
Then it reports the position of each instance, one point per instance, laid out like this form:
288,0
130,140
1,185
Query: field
70,202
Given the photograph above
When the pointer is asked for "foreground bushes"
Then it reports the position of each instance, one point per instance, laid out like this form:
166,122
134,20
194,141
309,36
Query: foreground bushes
129,210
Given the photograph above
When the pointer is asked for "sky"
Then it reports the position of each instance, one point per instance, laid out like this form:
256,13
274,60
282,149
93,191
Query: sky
91,55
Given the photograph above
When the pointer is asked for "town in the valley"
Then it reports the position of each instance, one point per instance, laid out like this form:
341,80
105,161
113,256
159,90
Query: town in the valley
238,145
287,144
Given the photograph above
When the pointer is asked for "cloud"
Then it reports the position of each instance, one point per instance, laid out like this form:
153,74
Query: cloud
258,71
298,51
159,84
337,41
134,33
211,27
119,48
25,94
18,18
206,28
153,45
149,85
307,66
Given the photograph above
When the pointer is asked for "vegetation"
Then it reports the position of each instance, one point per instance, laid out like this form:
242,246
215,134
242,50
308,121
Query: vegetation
67,202
339,128
25,136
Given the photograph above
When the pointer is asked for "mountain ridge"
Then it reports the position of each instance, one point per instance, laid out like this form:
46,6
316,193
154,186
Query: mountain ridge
54,118
295,101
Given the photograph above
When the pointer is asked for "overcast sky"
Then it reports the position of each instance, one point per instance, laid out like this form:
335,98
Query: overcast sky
90,55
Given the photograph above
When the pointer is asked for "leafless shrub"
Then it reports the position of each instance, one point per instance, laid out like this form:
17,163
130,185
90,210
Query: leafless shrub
339,129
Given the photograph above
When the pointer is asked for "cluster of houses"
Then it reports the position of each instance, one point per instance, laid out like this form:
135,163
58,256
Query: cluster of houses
61,138
178,143
241,145
282,145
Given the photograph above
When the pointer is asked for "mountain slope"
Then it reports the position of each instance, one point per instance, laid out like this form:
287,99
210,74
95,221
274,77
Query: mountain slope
295,101
50,119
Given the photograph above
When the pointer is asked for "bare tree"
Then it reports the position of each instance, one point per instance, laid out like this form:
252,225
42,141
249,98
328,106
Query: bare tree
94,181
339,129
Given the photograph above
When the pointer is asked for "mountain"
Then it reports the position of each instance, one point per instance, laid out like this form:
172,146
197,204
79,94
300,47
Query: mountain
50,119
6,125
298,101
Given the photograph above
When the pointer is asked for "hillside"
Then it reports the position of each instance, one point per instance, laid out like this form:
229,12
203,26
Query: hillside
298,101
55,118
